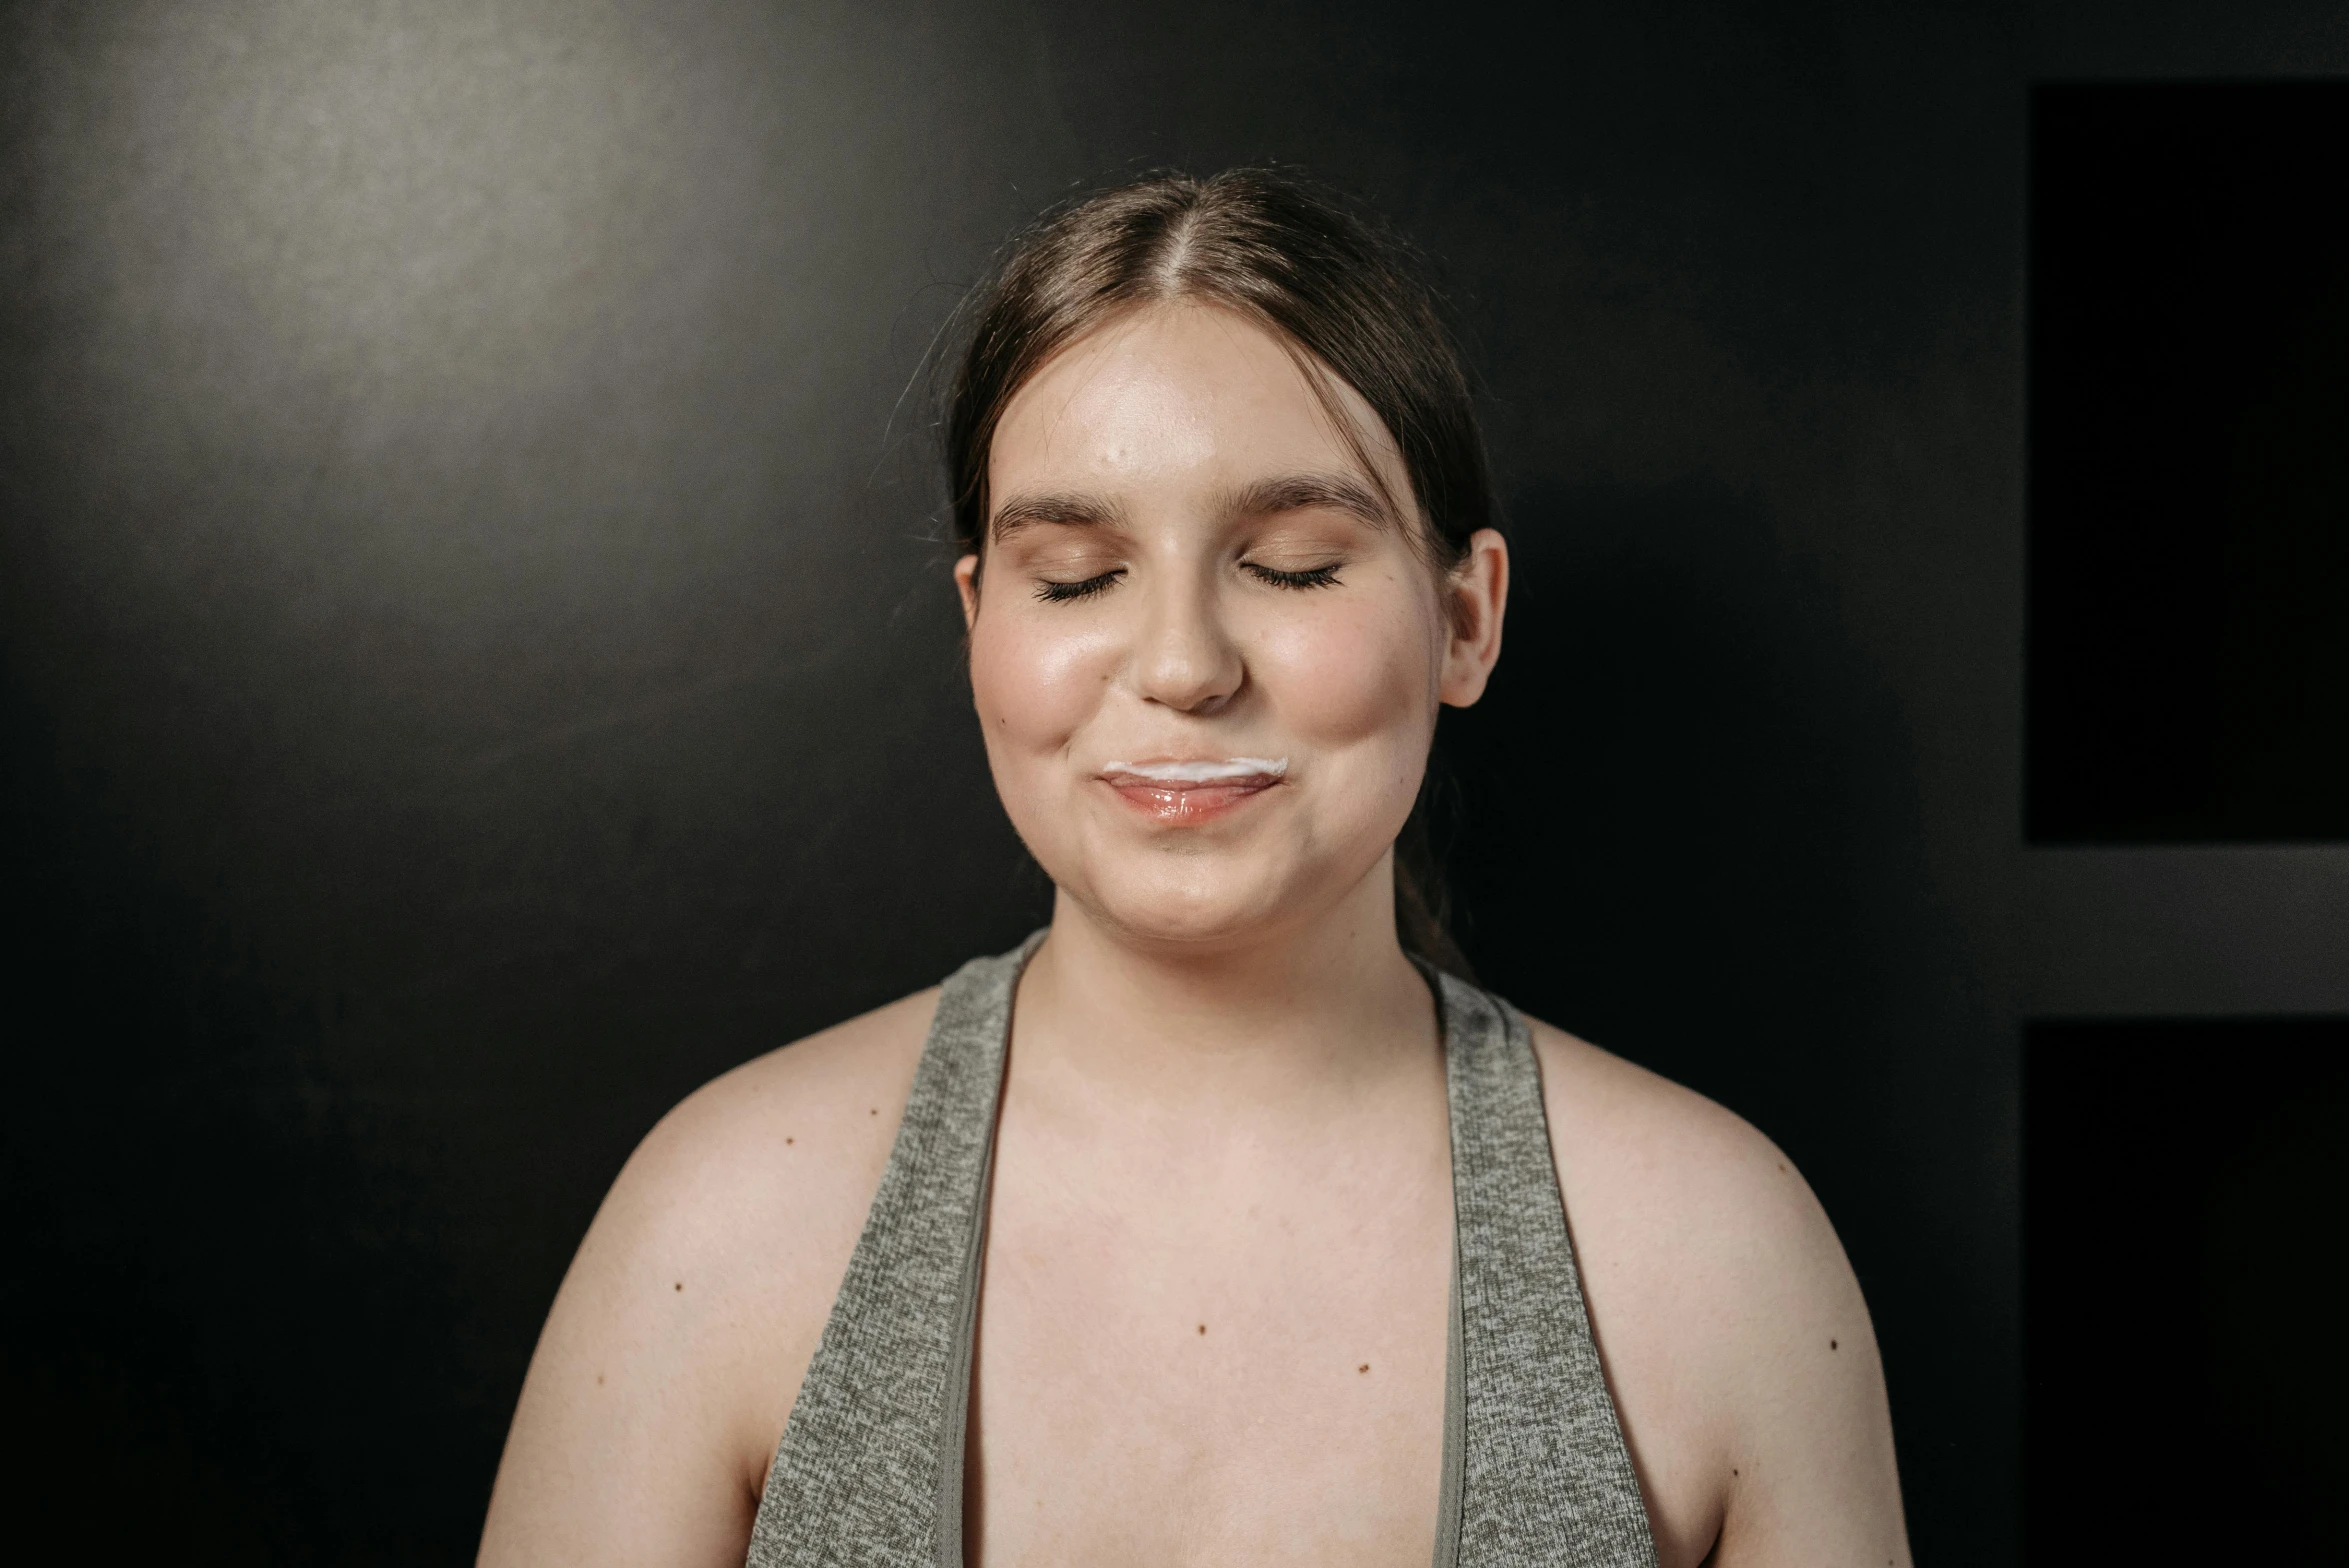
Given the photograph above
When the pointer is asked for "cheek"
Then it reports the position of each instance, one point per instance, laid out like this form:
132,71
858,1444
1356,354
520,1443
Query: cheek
1353,673
1035,685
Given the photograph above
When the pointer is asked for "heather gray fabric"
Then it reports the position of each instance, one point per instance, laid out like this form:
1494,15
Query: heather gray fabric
865,1454
1447,1542
869,1472
1546,1478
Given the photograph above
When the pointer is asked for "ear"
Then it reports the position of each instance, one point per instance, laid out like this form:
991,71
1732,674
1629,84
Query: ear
966,583
1476,595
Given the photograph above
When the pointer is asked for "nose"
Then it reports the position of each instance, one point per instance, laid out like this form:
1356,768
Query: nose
1185,658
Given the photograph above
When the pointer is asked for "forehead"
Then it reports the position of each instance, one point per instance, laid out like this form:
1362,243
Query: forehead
1171,394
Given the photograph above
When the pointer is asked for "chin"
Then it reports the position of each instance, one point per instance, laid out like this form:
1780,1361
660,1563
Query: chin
1201,913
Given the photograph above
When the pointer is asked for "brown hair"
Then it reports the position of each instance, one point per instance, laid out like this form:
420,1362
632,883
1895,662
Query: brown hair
1336,286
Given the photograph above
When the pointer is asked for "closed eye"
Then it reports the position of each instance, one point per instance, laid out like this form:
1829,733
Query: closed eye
1052,592
1311,577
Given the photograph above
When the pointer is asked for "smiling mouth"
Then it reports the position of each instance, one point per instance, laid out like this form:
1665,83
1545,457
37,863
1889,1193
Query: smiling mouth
1190,791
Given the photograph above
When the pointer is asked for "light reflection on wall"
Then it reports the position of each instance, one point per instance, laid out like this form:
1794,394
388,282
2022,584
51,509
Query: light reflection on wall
422,306
461,441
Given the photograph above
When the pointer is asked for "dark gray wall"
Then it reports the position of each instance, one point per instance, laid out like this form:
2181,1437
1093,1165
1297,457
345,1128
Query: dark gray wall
473,662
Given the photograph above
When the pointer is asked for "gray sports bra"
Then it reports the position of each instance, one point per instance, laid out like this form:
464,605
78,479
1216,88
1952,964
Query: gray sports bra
869,1471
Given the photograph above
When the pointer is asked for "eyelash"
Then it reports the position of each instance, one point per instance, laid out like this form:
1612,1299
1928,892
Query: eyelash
1311,577
1063,593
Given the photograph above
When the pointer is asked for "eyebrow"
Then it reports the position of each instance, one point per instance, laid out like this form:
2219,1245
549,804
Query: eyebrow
1262,498
1300,492
1074,511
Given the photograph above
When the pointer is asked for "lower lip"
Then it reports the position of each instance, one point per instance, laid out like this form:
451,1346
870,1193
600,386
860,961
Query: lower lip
1187,805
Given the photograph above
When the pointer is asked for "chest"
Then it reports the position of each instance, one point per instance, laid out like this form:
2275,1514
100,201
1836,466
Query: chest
1211,1360
1005,1374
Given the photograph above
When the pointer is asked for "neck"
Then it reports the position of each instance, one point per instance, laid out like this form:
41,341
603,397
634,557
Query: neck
1331,1003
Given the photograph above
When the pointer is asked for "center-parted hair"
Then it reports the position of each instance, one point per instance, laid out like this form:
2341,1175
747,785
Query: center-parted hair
1338,288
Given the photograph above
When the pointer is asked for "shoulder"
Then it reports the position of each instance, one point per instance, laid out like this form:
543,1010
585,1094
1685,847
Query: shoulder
677,1342
752,1192
1673,1183
1733,1332
792,1134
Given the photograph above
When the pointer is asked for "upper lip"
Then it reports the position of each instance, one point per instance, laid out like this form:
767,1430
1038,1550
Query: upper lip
1195,772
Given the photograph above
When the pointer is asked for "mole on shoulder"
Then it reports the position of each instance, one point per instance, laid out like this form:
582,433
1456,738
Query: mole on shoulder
875,1111
599,1380
1831,1344
1364,1367
681,1284
1202,1328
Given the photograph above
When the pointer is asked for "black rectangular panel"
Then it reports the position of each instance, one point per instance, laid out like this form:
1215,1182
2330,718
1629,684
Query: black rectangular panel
2186,1210
2189,440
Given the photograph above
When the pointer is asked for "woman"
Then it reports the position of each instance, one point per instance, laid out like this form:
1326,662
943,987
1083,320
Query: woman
1215,1226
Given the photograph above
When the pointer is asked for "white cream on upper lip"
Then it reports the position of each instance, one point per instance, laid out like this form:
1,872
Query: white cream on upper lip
1226,768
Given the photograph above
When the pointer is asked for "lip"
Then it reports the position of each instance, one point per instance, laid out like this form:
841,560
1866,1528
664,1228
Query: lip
1188,791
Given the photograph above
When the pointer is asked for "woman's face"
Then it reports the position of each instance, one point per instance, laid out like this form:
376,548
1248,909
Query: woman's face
1207,657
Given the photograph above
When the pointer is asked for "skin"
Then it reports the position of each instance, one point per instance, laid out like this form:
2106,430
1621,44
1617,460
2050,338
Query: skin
1212,1323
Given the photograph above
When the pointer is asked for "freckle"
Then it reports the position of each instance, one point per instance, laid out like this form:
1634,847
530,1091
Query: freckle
1202,1328
1782,1165
875,1111
1364,1367
791,1140
599,1380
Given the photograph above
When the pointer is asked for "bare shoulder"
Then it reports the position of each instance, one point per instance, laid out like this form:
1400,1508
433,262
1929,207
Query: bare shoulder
799,1135
1734,1333
687,1319
1687,1184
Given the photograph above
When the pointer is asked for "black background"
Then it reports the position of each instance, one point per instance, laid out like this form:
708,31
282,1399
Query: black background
474,665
